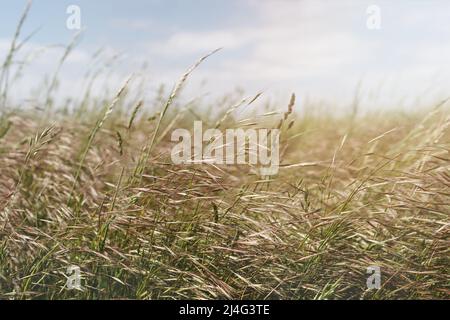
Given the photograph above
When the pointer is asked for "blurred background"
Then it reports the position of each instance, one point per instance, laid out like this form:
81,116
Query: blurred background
384,54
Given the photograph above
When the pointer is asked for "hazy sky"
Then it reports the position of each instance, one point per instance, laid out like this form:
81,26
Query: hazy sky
319,49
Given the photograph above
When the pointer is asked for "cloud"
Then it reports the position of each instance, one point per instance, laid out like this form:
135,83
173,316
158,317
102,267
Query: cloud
132,24
321,49
292,43
35,64
324,48
183,43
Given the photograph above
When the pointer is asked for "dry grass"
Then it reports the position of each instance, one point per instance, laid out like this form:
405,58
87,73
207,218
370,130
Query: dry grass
377,197
98,190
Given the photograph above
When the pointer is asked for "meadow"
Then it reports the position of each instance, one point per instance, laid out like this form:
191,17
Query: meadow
93,186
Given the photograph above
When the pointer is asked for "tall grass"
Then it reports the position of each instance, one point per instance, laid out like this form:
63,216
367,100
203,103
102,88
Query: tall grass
353,191
7,64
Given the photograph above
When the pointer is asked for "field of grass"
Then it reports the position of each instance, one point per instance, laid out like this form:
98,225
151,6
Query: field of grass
95,187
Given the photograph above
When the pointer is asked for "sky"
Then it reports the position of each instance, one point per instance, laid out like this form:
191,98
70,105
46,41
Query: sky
320,49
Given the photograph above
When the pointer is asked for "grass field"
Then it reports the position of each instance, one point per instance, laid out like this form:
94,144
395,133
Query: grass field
95,187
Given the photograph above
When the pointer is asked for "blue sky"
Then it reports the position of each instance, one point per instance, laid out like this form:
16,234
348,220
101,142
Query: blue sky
110,21
319,49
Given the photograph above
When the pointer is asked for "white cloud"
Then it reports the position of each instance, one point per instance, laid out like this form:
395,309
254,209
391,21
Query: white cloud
183,43
323,48
132,24
319,48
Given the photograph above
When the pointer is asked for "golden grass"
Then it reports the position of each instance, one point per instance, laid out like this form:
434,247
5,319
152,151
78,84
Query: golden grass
98,190
378,197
